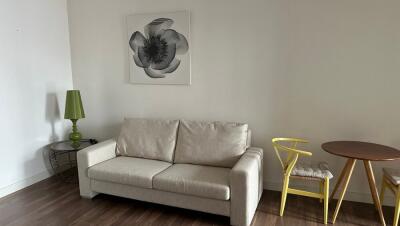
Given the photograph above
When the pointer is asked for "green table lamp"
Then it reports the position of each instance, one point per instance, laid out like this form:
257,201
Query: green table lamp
74,111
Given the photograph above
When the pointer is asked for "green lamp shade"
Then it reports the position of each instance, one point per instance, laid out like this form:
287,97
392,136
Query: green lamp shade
73,105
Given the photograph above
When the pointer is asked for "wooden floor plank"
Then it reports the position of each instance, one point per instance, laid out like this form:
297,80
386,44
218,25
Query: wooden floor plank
51,202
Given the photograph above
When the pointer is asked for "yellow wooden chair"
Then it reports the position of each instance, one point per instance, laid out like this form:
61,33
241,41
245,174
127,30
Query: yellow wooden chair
290,170
391,179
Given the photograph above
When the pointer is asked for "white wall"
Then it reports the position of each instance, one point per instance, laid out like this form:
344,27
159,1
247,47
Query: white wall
35,72
344,76
322,70
238,68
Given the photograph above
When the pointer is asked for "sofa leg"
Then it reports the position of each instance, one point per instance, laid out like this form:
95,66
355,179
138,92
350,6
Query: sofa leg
89,194
84,185
85,191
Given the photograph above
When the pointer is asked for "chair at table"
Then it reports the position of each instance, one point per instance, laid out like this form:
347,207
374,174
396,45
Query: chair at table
319,173
391,179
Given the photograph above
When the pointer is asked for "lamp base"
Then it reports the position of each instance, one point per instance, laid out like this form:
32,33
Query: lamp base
75,136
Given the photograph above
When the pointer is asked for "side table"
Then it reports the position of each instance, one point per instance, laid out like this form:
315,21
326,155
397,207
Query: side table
366,152
62,157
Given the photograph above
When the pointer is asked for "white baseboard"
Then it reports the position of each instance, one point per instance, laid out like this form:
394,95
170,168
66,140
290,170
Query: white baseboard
350,195
6,190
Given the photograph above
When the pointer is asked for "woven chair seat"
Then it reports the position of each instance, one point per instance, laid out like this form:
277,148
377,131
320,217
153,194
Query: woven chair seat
393,175
320,170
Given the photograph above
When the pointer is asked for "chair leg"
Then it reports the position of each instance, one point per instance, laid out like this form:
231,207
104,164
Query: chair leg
321,189
284,194
383,189
326,200
397,209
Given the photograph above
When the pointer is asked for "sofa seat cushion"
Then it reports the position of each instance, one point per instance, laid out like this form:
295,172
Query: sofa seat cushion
148,138
202,181
128,170
218,144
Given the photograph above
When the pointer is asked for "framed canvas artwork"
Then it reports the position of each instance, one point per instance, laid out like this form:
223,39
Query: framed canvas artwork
159,48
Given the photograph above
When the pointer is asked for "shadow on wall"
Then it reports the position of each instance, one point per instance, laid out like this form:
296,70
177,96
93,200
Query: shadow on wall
52,115
41,155
102,132
114,129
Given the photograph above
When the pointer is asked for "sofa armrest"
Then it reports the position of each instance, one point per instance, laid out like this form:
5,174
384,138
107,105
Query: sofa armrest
91,156
97,153
246,180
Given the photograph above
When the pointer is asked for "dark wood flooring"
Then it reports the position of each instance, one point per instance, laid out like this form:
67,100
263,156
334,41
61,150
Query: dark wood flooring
52,202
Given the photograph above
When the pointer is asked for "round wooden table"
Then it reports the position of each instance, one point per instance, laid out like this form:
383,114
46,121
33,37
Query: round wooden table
367,152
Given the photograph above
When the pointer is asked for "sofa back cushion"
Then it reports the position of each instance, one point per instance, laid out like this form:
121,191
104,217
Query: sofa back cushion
210,143
148,138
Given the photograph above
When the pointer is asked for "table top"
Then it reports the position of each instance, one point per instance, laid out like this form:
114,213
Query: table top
361,150
66,145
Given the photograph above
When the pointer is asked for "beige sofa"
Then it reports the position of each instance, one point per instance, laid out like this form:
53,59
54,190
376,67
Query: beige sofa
204,166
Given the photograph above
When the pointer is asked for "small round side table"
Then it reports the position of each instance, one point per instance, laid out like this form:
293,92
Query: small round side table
366,152
62,157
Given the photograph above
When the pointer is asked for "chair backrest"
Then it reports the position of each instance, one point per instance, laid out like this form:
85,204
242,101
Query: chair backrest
292,152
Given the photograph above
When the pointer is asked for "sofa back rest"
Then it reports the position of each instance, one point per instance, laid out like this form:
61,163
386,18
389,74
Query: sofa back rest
210,143
148,138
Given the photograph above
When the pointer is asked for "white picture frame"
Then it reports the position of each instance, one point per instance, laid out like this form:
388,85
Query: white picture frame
159,48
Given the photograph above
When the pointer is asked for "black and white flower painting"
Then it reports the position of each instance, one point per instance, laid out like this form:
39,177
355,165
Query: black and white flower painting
159,48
